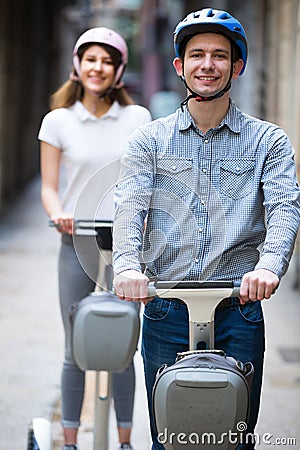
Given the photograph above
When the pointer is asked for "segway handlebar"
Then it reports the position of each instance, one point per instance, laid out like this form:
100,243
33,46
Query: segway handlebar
201,299
158,288
87,227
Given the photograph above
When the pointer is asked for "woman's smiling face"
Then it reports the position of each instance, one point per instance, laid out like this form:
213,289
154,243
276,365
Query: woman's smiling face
97,70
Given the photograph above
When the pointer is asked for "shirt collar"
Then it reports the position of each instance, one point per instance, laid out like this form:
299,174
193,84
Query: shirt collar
232,119
83,114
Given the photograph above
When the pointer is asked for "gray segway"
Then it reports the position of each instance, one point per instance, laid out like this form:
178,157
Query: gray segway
203,398
105,333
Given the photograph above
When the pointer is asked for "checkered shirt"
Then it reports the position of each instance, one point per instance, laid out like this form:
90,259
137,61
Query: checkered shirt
195,206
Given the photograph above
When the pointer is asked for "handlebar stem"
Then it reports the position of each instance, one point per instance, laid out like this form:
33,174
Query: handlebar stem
201,299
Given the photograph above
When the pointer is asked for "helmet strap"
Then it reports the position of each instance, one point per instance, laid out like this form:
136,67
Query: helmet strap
117,83
106,93
74,77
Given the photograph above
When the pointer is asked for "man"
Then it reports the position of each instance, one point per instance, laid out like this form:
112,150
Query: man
217,194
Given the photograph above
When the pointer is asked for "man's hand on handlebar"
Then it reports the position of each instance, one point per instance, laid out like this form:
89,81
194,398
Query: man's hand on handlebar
132,286
257,285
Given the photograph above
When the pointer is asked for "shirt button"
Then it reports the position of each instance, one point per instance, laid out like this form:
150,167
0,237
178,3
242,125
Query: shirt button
202,202
200,229
196,260
204,170
206,141
174,167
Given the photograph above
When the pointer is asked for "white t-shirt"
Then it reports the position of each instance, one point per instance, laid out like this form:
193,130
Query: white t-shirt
91,149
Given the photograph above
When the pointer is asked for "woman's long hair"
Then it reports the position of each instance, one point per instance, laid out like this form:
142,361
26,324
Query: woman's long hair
72,90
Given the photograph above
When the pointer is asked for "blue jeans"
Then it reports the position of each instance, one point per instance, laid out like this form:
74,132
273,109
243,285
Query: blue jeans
239,331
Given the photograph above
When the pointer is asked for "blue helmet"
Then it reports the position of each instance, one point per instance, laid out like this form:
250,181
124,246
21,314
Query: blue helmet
211,21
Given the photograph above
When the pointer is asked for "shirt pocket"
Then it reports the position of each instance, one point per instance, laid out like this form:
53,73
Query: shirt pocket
236,177
174,175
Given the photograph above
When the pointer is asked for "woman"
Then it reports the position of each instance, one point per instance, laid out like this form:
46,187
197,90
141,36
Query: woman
90,120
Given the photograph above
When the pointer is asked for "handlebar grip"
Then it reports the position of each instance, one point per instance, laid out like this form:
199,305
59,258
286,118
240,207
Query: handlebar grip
169,285
236,289
152,292
52,224
87,223
154,286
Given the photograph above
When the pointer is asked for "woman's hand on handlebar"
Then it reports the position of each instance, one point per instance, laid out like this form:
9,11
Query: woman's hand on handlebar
258,285
132,286
64,223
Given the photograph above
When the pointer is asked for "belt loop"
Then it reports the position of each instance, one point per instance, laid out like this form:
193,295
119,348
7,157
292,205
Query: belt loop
233,303
176,303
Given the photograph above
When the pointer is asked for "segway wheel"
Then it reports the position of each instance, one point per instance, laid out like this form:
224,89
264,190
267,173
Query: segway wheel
32,444
39,434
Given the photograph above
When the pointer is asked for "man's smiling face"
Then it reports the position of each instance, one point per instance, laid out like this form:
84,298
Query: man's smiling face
207,63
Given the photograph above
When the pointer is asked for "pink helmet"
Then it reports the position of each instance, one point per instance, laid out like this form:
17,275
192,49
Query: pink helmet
102,35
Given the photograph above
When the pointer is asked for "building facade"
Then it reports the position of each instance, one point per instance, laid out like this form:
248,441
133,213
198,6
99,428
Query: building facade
36,40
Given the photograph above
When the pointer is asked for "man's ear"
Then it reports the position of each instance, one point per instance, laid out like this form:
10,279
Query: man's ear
177,63
237,67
